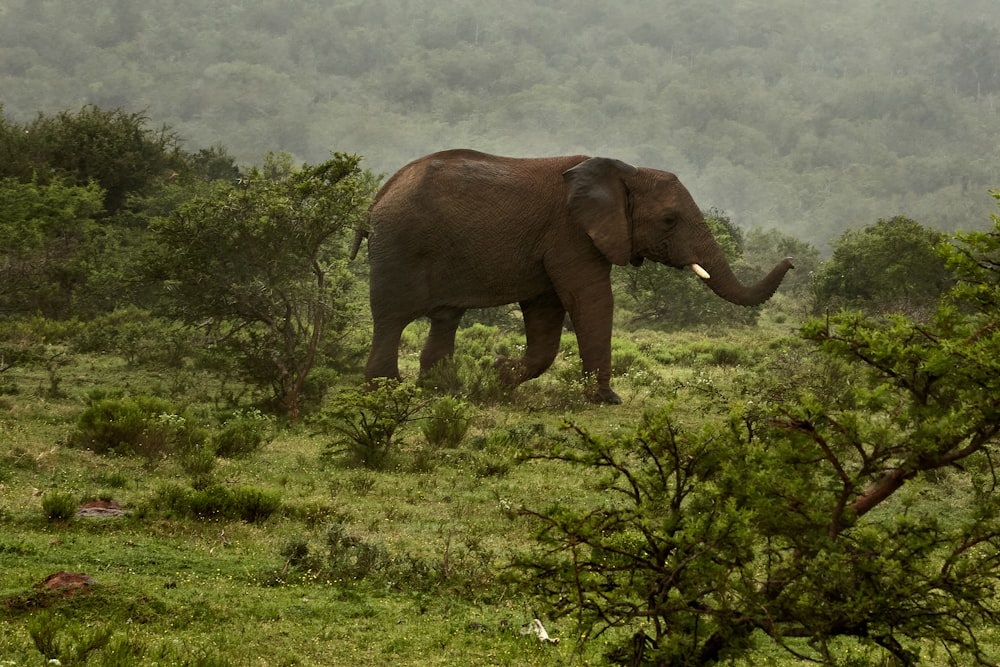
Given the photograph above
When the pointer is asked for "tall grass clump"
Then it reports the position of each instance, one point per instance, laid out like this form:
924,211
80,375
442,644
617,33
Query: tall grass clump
243,503
58,506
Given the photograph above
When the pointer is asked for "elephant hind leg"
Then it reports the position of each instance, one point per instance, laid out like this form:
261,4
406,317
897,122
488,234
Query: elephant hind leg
543,322
440,343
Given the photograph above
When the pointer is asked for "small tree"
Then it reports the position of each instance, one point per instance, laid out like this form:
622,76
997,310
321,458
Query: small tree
257,265
837,521
891,266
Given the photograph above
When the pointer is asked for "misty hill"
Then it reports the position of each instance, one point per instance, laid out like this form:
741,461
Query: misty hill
784,114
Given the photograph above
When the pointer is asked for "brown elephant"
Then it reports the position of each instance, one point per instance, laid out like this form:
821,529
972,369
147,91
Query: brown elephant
462,229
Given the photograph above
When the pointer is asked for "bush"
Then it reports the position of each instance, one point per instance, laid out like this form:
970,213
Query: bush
243,503
364,422
243,434
59,506
447,424
137,426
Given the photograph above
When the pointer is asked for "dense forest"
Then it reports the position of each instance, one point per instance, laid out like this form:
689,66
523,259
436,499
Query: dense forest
807,118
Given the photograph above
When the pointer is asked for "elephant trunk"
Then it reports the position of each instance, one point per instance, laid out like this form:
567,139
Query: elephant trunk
718,275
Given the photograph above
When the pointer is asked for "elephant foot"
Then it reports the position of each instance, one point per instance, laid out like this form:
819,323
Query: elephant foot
597,391
604,395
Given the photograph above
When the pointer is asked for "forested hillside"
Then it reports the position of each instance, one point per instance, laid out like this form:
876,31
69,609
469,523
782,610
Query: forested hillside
806,117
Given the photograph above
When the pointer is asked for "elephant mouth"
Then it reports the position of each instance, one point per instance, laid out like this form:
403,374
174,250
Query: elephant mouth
698,269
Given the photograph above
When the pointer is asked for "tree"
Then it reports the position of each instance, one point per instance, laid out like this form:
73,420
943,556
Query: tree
891,266
114,148
41,228
856,521
257,266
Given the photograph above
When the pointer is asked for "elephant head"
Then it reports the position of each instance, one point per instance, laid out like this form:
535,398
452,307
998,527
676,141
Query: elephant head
632,214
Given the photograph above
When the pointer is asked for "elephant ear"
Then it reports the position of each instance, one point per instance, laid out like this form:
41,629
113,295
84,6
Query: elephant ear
598,202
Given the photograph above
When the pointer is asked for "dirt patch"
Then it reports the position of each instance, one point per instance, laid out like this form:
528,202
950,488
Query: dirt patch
55,587
100,509
67,583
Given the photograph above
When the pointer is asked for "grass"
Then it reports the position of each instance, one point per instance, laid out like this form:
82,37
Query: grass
351,566
173,588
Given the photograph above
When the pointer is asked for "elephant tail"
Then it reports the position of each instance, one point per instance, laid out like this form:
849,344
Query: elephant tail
360,234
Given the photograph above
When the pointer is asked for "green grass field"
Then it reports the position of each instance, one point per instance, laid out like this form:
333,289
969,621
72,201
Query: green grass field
323,562
402,566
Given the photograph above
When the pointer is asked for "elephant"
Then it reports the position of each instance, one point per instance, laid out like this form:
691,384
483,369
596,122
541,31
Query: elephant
462,229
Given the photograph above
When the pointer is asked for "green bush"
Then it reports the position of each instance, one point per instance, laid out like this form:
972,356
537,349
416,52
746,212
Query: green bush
364,422
447,424
243,434
890,266
243,503
136,426
59,506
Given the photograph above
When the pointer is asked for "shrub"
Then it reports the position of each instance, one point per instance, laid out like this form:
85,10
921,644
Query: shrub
243,434
447,424
351,558
198,463
891,266
59,506
364,422
244,503
140,425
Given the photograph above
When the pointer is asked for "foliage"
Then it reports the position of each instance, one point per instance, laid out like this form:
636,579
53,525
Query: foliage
63,643
58,506
256,265
138,426
113,149
42,226
811,520
241,435
134,334
218,502
365,421
447,423
890,266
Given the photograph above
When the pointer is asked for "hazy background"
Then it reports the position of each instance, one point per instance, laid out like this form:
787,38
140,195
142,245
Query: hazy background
784,114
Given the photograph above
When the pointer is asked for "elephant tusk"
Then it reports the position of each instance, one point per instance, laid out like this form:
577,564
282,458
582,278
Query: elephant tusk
702,273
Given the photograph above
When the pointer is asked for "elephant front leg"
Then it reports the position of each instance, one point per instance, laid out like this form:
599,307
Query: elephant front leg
592,318
543,322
